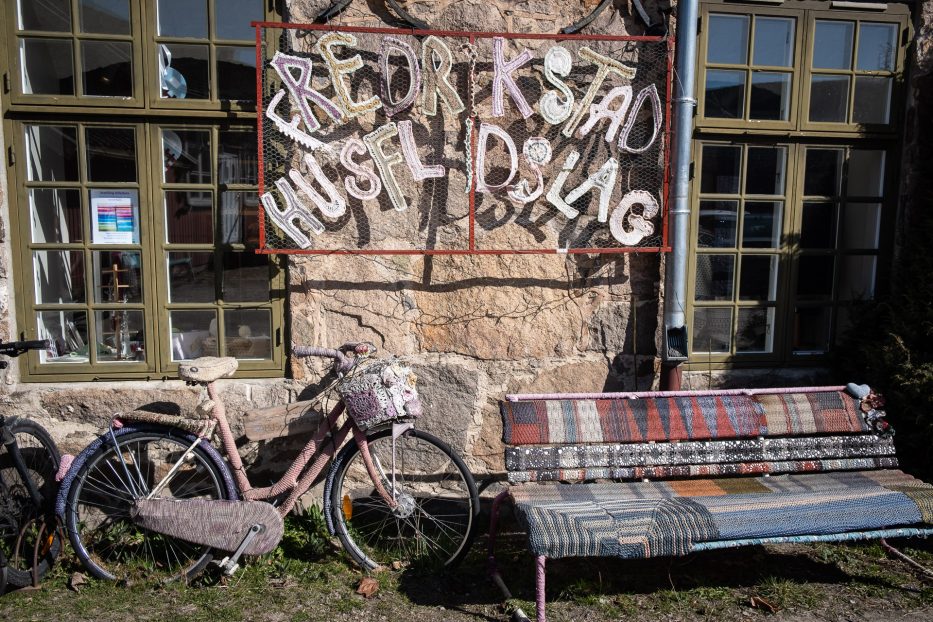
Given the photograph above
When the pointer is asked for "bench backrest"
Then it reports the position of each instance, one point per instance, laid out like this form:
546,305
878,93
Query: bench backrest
659,435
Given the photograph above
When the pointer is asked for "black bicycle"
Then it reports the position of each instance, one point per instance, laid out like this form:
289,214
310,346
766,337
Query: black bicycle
30,538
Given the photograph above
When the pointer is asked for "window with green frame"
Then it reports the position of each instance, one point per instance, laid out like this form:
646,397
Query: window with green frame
136,207
795,151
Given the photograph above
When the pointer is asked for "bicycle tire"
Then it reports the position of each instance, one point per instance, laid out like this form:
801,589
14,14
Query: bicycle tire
3,574
108,543
41,458
437,483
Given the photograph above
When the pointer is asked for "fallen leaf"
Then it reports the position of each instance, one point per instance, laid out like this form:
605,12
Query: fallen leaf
396,565
76,581
367,587
761,603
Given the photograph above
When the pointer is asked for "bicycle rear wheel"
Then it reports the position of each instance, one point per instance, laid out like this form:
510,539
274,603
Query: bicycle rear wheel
23,540
97,514
435,520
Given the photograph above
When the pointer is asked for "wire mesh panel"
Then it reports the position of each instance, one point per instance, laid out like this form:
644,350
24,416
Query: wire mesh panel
388,141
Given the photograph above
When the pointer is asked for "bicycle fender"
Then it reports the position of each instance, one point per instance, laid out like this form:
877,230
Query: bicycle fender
81,458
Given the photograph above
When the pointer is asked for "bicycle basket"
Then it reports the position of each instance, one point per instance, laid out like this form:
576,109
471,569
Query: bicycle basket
380,391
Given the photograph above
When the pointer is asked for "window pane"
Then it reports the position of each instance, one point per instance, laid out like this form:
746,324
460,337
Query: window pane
191,277
52,153
189,217
236,73
67,330
48,66
717,224
248,333
111,153
877,47
761,227
239,218
246,277
759,278
183,18
832,45
238,162
872,100
59,276
774,41
186,156
720,173
829,98
725,94
108,68
764,171
823,172
188,74
815,277
50,15
857,281
811,330
56,216
770,96
109,17
861,225
194,334
728,39
121,335
755,330
865,177
818,225
233,21
714,277
712,330
117,276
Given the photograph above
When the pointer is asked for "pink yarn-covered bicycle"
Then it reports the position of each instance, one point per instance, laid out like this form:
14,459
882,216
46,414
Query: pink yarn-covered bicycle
152,496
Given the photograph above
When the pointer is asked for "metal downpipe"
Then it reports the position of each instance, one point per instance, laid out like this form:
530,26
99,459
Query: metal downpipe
674,348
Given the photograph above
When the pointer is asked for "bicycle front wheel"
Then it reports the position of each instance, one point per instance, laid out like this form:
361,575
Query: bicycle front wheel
28,534
97,515
435,519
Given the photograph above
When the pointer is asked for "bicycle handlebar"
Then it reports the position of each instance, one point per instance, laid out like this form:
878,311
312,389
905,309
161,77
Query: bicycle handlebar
343,363
15,348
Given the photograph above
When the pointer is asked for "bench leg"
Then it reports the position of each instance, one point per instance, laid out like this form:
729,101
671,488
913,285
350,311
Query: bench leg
906,558
492,568
539,587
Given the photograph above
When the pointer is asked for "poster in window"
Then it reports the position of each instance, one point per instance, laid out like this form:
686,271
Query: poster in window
114,217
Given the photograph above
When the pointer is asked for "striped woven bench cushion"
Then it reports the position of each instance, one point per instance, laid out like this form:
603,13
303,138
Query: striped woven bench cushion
652,519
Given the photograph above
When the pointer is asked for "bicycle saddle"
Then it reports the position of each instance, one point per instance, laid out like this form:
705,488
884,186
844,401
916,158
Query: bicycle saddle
207,369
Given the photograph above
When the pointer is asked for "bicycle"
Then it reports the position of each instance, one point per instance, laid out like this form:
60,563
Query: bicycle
152,496
29,536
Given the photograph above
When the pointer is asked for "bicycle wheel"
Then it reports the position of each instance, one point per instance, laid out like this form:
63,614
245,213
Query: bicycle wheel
20,520
97,513
435,519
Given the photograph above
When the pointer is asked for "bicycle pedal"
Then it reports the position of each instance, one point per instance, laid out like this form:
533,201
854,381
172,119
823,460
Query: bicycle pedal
228,566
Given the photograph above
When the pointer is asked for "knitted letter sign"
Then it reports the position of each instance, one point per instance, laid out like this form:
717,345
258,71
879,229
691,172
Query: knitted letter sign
340,68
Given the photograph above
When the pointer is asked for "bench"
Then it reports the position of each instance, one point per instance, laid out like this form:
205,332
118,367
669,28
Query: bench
652,474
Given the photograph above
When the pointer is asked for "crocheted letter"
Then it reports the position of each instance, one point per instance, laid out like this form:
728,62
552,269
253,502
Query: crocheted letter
340,68
290,128
537,152
553,194
294,211
651,93
300,88
385,162
605,66
640,224
414,75
557,62
418,170
603,180
337,205
502,79
437,62
355,146
604,110
485,129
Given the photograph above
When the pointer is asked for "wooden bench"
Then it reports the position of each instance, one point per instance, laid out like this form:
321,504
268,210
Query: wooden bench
638,475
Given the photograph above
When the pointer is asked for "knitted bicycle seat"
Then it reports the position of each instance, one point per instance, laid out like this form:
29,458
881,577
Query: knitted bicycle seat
207,369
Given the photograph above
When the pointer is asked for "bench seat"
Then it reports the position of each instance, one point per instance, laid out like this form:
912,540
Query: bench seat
666,518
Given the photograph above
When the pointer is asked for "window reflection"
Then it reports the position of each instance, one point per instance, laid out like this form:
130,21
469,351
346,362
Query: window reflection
68,332
121,335
248,333
59,276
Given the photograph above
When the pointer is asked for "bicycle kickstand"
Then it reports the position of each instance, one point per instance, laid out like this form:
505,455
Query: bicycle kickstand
230,564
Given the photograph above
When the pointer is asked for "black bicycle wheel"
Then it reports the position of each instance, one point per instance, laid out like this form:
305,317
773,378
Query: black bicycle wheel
28,534
435,519
3,573
97,514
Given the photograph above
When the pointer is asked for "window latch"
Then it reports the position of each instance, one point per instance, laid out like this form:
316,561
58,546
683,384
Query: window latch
10,155
6,82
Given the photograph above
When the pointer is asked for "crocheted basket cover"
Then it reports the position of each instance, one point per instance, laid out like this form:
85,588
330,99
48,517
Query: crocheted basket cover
380,391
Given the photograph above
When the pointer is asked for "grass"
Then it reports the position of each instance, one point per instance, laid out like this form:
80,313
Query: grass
309,578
